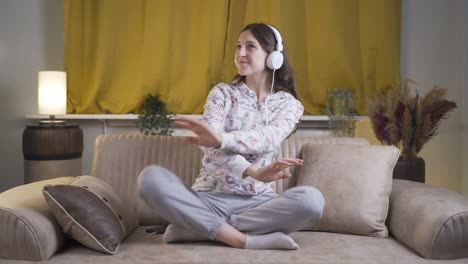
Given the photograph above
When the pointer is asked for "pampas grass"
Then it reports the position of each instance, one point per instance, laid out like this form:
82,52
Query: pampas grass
405,121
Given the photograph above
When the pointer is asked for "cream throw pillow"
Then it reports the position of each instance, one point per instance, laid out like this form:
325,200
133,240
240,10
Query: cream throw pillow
356,182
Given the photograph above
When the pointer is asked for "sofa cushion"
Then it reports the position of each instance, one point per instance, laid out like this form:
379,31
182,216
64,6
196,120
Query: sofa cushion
27,227
315,248
356,182
292,148
182,158
119,159
431,220
90,212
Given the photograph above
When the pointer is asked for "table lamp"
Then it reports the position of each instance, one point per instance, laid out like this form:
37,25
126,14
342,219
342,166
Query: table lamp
52,148
52,95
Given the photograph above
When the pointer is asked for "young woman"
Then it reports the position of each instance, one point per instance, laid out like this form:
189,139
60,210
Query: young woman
243,125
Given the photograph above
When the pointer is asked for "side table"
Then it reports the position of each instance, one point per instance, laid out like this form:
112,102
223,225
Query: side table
52,150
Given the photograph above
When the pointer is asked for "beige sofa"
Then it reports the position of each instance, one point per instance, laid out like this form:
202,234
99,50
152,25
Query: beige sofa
417,231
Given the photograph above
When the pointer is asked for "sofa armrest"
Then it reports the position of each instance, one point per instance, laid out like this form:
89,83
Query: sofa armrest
430,220
27,227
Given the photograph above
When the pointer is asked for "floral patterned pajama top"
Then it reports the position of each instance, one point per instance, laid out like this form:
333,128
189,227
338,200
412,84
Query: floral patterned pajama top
233,110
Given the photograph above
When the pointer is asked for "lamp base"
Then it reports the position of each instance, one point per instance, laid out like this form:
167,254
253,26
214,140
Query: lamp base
52,122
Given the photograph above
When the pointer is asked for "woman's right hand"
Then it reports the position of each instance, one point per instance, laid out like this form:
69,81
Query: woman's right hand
273,171
206,137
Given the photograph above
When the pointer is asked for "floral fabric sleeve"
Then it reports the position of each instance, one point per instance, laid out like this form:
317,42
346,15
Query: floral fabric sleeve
213,116
267,138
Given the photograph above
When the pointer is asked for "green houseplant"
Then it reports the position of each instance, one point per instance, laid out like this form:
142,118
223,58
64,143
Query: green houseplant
154,118
408,121
340,111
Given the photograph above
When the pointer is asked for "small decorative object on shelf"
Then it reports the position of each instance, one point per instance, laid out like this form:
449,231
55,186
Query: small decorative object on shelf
154,118
408,122
340,110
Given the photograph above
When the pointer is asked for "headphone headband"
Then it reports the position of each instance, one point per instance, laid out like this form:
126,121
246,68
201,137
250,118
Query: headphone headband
279,39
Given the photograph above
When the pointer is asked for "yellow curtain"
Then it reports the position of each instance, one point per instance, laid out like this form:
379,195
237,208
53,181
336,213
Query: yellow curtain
332,44
117,50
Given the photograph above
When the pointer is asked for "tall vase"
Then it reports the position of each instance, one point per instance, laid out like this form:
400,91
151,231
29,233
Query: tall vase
412,169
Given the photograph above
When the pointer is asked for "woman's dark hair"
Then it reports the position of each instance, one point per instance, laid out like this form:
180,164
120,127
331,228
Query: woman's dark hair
284,79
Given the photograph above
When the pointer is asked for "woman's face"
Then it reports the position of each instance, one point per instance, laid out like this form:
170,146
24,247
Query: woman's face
250,57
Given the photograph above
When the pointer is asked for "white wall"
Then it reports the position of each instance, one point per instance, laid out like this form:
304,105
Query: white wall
31,34
464,182
434,52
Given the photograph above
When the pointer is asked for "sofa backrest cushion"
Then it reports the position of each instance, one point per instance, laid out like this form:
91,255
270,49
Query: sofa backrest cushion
118,160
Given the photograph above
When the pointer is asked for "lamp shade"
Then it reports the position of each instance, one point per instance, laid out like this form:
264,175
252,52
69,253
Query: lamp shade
52,93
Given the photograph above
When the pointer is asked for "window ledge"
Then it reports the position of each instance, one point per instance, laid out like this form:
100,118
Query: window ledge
134,117
308,122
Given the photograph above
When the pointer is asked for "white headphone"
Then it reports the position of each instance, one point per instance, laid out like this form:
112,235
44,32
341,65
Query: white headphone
275,59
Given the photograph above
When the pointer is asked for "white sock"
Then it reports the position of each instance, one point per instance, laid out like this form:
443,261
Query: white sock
179,234
276,240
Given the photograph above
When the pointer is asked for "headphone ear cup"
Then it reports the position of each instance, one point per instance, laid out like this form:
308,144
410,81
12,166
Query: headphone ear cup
275,60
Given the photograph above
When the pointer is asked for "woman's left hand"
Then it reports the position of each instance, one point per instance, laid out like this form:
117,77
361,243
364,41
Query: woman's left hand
273,171
205,136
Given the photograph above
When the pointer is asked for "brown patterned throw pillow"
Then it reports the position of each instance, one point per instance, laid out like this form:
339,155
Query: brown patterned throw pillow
90,212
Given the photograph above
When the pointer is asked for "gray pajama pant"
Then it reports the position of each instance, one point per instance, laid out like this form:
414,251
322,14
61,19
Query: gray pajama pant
205,212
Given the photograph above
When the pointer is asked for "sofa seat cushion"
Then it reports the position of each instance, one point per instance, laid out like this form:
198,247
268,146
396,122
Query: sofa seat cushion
28,230
315,247
90,212
356,182
430,220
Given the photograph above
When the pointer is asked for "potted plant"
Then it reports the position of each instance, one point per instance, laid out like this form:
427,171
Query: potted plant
340,111
408,122
154,118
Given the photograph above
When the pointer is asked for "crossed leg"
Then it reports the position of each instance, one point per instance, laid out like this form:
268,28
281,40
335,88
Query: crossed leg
286,213
166,193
